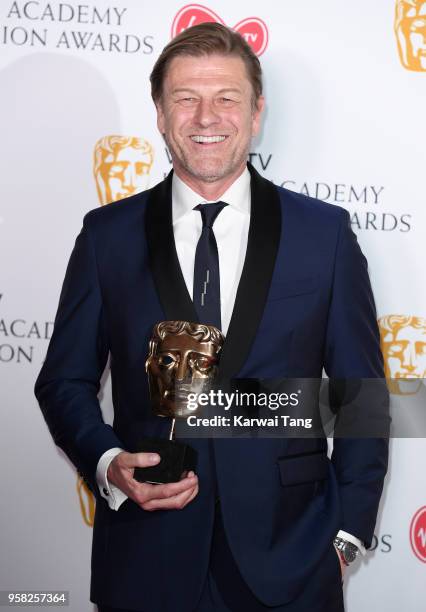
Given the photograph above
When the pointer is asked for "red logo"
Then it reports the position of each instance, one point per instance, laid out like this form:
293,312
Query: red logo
252,29
418,534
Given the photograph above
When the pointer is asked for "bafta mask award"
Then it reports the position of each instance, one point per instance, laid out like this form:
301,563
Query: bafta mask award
183,360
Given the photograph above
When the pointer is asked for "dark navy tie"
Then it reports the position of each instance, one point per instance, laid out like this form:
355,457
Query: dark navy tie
206,292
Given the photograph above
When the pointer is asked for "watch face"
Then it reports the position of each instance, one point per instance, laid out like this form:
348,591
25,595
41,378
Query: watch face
350,552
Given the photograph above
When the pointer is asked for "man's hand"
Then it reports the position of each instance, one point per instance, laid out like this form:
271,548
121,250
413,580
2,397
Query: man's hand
342,564
171,496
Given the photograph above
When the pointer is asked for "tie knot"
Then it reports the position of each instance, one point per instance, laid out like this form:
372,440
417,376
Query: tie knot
210,211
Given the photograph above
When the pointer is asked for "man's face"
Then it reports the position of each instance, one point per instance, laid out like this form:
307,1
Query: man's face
405,355
207,116
181,365
125,173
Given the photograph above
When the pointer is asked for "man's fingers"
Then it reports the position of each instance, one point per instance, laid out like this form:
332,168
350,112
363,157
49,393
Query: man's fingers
342,565
179,493
146,491
132,460
194,494
177,502
121,469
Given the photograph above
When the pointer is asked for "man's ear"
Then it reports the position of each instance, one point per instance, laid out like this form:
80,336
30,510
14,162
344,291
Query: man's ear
257,114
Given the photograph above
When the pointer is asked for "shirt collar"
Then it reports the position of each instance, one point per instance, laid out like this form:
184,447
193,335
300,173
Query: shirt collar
184,199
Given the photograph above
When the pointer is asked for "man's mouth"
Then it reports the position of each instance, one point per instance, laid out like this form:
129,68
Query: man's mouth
207,139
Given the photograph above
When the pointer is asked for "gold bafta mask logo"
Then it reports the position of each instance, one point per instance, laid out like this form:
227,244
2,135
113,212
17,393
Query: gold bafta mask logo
410,30
87,502
183,359
121,165
403,340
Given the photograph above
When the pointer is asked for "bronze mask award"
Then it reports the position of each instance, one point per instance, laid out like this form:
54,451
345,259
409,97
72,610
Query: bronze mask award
183,359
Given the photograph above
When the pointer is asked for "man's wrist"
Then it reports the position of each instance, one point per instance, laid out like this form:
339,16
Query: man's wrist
112,494
347,551
345,535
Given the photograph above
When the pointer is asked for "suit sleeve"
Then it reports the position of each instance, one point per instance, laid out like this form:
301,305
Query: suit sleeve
69,381
352,360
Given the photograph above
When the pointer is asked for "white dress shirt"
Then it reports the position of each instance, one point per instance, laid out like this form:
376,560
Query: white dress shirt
231,232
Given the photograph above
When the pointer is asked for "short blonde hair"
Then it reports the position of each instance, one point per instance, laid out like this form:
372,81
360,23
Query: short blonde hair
206,39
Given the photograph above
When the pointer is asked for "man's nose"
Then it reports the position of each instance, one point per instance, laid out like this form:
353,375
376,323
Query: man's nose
206,113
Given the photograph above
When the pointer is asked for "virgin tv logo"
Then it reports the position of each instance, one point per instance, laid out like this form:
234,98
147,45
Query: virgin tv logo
252,29
418,534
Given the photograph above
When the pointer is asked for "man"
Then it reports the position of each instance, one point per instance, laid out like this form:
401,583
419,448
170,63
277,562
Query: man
256,524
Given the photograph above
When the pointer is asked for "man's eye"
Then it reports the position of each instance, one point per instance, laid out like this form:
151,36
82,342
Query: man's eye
226,101
188,101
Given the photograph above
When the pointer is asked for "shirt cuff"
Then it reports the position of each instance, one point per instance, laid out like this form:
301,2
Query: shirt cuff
113,495
350,538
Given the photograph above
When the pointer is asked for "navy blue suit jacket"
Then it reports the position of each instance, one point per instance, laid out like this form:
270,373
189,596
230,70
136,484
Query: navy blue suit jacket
304,302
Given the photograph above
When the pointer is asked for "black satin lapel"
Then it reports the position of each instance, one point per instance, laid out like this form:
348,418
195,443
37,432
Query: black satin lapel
163,259
262,246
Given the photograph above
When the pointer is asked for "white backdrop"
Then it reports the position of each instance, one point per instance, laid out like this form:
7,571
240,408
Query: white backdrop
344,122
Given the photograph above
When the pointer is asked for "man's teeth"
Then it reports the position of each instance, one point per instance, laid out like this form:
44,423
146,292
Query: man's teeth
208,138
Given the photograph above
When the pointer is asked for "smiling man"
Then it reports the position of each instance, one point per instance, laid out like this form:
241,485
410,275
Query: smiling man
208,115
265,524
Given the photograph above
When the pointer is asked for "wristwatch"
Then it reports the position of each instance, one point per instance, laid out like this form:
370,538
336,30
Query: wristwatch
348,552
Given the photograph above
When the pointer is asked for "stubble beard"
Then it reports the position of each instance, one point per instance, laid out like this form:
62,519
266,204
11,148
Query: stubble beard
207,175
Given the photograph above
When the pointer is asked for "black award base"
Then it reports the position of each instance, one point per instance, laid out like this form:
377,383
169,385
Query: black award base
176,459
